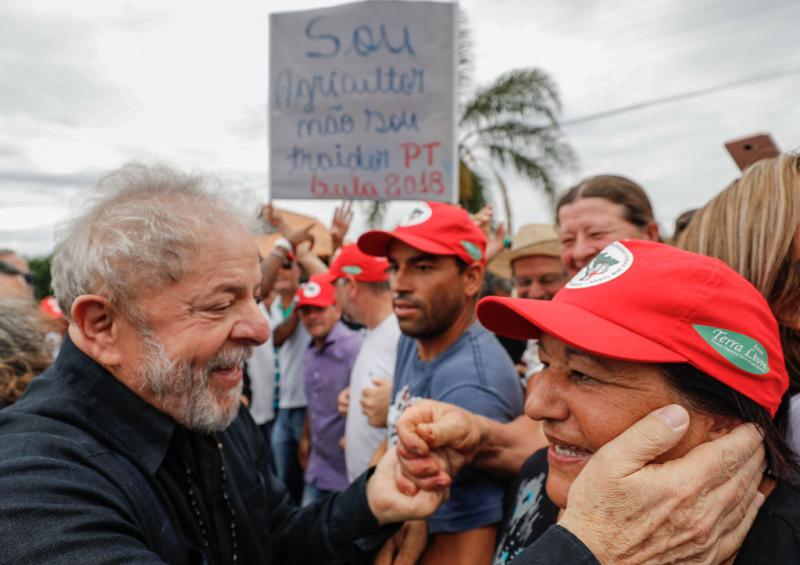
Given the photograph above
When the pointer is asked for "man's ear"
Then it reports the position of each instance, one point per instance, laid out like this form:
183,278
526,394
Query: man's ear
96,324
473,279
352,286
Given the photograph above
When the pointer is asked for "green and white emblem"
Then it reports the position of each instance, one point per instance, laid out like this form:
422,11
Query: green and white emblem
419,215
352,269
473,250
741,350
311,290
607,265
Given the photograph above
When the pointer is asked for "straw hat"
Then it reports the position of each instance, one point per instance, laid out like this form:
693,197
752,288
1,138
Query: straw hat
530,239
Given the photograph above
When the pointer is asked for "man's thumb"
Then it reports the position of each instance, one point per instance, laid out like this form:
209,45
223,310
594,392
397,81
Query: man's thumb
653,435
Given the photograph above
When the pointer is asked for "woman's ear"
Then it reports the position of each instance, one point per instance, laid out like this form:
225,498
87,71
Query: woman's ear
721,425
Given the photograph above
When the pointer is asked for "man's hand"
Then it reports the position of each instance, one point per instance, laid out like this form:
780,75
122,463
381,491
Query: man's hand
695,509
435,440
342,216
388,504
375,402
296,237
273,218
343,401
406,546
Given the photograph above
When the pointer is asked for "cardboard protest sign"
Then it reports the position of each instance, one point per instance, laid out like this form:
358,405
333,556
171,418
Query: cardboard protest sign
362,102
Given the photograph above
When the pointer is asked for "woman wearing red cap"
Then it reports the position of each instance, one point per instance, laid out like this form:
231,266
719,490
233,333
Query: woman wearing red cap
619,342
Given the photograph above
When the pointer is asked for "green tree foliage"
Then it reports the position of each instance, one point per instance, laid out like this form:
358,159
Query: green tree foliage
40,267
509,125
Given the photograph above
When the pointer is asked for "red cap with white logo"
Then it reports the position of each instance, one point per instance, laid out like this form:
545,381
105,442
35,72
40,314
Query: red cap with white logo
318,291
432,227
350,261
649,302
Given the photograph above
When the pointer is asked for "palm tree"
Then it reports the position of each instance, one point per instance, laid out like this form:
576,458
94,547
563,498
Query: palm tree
511,124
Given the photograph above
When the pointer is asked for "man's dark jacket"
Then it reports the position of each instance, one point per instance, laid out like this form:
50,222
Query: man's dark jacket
90,473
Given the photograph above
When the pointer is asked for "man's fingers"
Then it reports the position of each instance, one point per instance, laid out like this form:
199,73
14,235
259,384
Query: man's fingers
414,543
730,542
406,427
726,455
645,440
386,553
733,498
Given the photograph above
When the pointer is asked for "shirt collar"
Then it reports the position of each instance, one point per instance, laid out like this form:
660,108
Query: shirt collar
111,409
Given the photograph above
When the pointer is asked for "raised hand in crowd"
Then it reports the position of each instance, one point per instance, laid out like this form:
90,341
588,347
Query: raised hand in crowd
495,237
273,218
375,401
694,509
340,224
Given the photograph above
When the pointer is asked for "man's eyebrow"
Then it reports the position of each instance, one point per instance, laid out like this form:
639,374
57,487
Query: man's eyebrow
424,257
572,352
231,288
414,259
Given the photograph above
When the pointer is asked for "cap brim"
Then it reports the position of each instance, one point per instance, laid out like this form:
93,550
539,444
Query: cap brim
328,276
321,303
521,318
377,243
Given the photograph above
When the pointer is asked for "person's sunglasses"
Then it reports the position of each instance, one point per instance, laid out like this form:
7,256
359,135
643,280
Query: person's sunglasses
7,269
286,265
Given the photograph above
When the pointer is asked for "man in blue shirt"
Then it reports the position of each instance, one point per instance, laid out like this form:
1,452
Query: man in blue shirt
437,260
328,362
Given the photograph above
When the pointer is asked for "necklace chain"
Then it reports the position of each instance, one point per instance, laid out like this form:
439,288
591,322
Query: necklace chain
190,481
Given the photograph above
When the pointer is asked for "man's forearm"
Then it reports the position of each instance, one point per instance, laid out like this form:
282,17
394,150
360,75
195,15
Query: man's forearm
285,329
506,446
270,265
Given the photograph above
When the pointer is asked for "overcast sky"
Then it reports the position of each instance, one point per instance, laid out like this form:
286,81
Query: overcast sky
90,85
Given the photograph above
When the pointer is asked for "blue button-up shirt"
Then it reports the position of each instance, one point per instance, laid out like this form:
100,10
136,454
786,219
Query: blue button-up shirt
327,372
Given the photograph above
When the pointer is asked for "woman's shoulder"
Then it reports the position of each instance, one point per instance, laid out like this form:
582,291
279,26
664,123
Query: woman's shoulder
775,535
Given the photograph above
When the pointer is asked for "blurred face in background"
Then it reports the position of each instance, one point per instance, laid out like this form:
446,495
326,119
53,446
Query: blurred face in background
288,279
538,277
318,320
15,278
588,225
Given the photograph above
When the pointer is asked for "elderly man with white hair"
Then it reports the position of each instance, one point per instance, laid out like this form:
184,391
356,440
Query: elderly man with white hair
133,447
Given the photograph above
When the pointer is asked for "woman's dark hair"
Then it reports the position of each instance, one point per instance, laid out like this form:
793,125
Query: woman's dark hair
616,189
708,395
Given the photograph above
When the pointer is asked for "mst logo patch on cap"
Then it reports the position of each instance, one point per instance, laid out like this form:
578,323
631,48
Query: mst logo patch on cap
607,265
352,269
419,215
473,250
741,350
311,290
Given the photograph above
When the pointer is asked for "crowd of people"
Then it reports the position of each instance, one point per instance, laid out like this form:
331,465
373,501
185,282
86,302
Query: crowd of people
584,392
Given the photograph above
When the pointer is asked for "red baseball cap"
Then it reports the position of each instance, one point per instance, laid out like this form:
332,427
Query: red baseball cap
432,227
652,303
49,306
318,291
350,261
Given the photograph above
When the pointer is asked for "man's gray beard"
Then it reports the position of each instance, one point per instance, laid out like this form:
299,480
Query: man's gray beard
182,390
